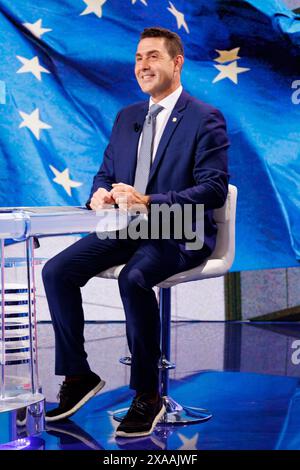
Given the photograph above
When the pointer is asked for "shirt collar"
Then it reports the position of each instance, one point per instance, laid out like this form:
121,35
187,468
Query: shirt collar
169,101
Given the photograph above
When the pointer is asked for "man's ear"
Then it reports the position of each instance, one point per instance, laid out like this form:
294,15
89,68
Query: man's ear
179,60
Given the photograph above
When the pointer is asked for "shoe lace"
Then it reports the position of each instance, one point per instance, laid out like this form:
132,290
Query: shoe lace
137,406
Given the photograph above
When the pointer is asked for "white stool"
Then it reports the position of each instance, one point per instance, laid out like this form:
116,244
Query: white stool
216,265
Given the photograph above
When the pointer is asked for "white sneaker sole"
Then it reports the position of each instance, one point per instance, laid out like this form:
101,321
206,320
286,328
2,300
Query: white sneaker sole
75,408
144,433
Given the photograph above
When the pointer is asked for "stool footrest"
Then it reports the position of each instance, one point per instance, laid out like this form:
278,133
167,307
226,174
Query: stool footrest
163,363
126,360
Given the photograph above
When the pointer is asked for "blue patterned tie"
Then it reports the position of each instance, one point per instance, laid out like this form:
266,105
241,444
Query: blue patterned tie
145,155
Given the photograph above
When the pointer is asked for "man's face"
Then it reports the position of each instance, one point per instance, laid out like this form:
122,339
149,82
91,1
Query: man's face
156,72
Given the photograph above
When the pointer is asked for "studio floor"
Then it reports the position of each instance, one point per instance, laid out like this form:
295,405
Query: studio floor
246,374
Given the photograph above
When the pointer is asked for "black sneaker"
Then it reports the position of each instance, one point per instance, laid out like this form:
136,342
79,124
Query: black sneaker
141,418
73,395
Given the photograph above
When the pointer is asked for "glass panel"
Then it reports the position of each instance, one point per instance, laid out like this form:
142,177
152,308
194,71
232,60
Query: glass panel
18,345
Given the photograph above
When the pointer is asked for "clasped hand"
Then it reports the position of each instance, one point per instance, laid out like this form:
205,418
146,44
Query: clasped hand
122,194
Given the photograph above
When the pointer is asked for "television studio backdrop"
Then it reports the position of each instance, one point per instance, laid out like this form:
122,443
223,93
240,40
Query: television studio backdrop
230,330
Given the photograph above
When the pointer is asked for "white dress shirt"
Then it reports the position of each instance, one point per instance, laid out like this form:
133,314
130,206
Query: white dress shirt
168,104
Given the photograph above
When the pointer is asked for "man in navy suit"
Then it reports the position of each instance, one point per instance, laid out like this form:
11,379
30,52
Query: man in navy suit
187,151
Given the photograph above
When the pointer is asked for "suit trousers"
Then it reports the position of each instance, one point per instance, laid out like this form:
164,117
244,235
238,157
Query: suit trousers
147,263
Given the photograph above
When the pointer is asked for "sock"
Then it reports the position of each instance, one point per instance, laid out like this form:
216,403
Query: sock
76,378
151,397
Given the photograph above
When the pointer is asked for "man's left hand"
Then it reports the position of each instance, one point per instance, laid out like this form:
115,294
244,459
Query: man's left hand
126,196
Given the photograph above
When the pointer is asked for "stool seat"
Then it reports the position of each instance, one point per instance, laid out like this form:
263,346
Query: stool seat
210,268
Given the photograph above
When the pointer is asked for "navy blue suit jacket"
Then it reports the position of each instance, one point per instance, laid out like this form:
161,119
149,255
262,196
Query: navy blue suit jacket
190,165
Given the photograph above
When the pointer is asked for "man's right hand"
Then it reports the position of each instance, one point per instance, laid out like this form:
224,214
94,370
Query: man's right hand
100,198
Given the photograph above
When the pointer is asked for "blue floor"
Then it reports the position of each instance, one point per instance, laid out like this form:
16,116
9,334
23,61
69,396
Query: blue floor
250,411
251,387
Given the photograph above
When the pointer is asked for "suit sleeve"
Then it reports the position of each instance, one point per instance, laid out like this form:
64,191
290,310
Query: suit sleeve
210,168
105,176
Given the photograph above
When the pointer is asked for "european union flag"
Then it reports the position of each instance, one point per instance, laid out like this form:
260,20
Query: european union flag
66,68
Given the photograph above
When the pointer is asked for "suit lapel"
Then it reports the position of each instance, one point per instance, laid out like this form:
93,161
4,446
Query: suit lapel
170,128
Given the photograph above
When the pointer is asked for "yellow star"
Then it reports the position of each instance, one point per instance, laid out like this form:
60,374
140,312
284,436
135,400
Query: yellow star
227,56
31,65
230,71
63,178
93,6
188,444
179,17
36,28
33,122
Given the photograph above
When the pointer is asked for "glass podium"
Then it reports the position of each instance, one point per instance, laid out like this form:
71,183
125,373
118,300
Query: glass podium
21,398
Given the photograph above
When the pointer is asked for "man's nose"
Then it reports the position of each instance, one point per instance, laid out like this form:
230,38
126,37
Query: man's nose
144,64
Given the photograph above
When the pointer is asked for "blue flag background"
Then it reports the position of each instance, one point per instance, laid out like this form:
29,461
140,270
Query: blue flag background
66,68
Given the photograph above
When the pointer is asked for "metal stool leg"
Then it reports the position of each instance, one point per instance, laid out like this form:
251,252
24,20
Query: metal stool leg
175,413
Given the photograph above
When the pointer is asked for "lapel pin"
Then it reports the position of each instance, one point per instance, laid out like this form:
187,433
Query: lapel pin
174,119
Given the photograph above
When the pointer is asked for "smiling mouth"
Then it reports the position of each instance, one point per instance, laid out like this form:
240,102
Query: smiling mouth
147,78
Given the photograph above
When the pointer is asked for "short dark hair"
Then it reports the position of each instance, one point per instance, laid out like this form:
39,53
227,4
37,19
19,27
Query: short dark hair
172,40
